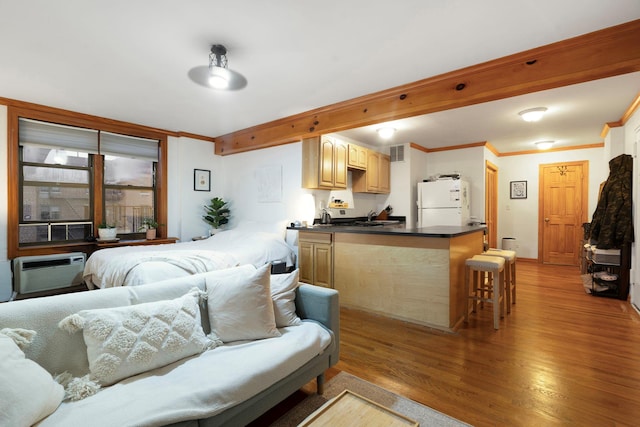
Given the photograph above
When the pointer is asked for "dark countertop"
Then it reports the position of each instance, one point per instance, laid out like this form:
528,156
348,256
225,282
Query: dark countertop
445,231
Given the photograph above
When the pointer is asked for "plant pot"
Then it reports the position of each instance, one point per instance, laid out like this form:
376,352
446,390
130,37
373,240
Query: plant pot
151,233
107,233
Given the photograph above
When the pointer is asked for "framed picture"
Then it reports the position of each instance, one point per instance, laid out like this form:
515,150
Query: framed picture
518,189
201,180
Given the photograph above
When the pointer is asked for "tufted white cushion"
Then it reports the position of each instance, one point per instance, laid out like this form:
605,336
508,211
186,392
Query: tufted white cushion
27,391
128,340
283,293
240,304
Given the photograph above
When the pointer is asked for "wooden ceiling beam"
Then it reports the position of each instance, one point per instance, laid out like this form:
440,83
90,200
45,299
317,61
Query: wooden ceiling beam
605,53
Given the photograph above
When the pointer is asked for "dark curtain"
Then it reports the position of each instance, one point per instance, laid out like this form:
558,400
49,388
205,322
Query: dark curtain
612,223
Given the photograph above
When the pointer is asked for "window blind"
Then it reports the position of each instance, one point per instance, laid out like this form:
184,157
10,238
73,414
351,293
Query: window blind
128,146
50,135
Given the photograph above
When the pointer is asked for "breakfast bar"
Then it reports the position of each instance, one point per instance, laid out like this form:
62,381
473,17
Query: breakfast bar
415,275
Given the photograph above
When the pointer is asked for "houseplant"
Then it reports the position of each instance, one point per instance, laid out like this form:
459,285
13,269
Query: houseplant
217,213
107,231
150,225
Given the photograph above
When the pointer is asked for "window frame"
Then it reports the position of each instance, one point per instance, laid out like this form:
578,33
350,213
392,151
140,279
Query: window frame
64,117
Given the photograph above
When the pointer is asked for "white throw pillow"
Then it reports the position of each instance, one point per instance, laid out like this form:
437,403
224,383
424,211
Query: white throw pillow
283,293
128,340
240,305
28,393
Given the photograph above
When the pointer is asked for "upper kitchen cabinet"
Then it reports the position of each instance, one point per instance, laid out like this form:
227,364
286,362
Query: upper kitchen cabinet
324,163
357,157
377,178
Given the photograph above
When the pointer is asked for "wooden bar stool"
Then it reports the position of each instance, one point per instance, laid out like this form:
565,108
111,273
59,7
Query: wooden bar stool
491,290
510,273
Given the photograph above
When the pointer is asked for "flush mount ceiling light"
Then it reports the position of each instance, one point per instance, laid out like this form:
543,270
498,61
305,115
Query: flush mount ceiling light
532,114
386,132
544,145
217,75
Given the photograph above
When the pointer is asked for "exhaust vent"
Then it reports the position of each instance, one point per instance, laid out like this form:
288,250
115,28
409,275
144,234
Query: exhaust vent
397,153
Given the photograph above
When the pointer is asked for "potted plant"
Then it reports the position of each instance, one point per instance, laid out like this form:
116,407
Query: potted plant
107,231
217,213
150,225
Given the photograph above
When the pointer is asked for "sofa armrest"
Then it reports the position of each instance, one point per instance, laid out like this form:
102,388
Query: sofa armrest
322,305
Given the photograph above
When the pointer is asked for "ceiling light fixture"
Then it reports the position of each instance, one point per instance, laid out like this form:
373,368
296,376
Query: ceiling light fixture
544,145
217,75
532,114
386,132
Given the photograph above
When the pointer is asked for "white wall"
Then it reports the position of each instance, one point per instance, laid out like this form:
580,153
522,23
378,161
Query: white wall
469,163
185,205
518,218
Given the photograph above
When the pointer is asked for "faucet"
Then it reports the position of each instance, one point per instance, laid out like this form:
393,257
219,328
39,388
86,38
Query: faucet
371,214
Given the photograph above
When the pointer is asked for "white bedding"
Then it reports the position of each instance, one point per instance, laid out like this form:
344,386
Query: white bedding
137,265
197,387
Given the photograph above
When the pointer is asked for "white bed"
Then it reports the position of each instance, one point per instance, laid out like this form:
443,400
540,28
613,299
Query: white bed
137,265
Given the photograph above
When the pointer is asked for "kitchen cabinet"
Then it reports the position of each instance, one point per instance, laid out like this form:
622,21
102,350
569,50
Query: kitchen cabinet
315,261
377,177
324,163
357,157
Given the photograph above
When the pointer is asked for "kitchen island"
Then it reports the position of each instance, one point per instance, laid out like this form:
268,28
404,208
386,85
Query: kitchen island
410,274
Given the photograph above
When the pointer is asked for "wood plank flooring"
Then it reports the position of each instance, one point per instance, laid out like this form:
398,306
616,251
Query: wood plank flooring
561,357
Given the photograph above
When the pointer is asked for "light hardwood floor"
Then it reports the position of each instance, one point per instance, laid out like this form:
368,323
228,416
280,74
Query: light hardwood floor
561,357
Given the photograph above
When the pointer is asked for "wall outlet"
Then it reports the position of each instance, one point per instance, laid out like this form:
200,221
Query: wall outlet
343,212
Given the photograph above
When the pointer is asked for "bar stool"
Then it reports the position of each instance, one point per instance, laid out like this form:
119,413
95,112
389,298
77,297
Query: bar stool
491,290
510,273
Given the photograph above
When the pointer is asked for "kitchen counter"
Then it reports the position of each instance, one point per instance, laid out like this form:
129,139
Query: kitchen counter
446,231
412,274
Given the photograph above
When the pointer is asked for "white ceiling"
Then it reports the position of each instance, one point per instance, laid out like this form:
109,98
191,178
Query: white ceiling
128,60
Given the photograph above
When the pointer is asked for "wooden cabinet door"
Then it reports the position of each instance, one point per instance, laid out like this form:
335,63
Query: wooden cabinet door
373,172
384,174
339,164
305,262
357,157
323,265
326,177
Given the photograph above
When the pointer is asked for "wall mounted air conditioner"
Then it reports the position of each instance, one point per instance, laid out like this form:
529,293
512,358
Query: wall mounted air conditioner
46,272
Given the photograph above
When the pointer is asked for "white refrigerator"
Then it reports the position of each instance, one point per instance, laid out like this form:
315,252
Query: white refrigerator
443,202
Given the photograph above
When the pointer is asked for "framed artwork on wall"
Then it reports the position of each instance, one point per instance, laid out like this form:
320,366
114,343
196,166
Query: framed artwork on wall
518,189
201,180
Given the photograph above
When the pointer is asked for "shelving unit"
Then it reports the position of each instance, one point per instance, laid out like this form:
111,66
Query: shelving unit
610,278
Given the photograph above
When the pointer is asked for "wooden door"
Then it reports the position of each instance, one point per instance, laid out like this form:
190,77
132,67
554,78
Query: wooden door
372,171
384,173
327,162
562,210
491,203
305,262
323,265
340,155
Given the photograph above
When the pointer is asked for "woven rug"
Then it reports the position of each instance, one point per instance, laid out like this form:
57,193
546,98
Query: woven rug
343,381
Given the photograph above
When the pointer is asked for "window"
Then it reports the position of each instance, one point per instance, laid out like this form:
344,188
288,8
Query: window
73,175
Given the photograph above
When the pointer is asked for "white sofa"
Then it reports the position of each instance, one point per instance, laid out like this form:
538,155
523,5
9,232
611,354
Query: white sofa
231,384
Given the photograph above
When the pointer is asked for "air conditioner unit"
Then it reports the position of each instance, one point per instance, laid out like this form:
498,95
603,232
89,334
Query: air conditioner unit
46,272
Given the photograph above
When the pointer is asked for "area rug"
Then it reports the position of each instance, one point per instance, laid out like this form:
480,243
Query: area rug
343,381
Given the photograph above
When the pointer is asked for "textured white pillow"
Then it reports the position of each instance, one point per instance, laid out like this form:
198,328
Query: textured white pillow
283,293
240,305
28,393
128,340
